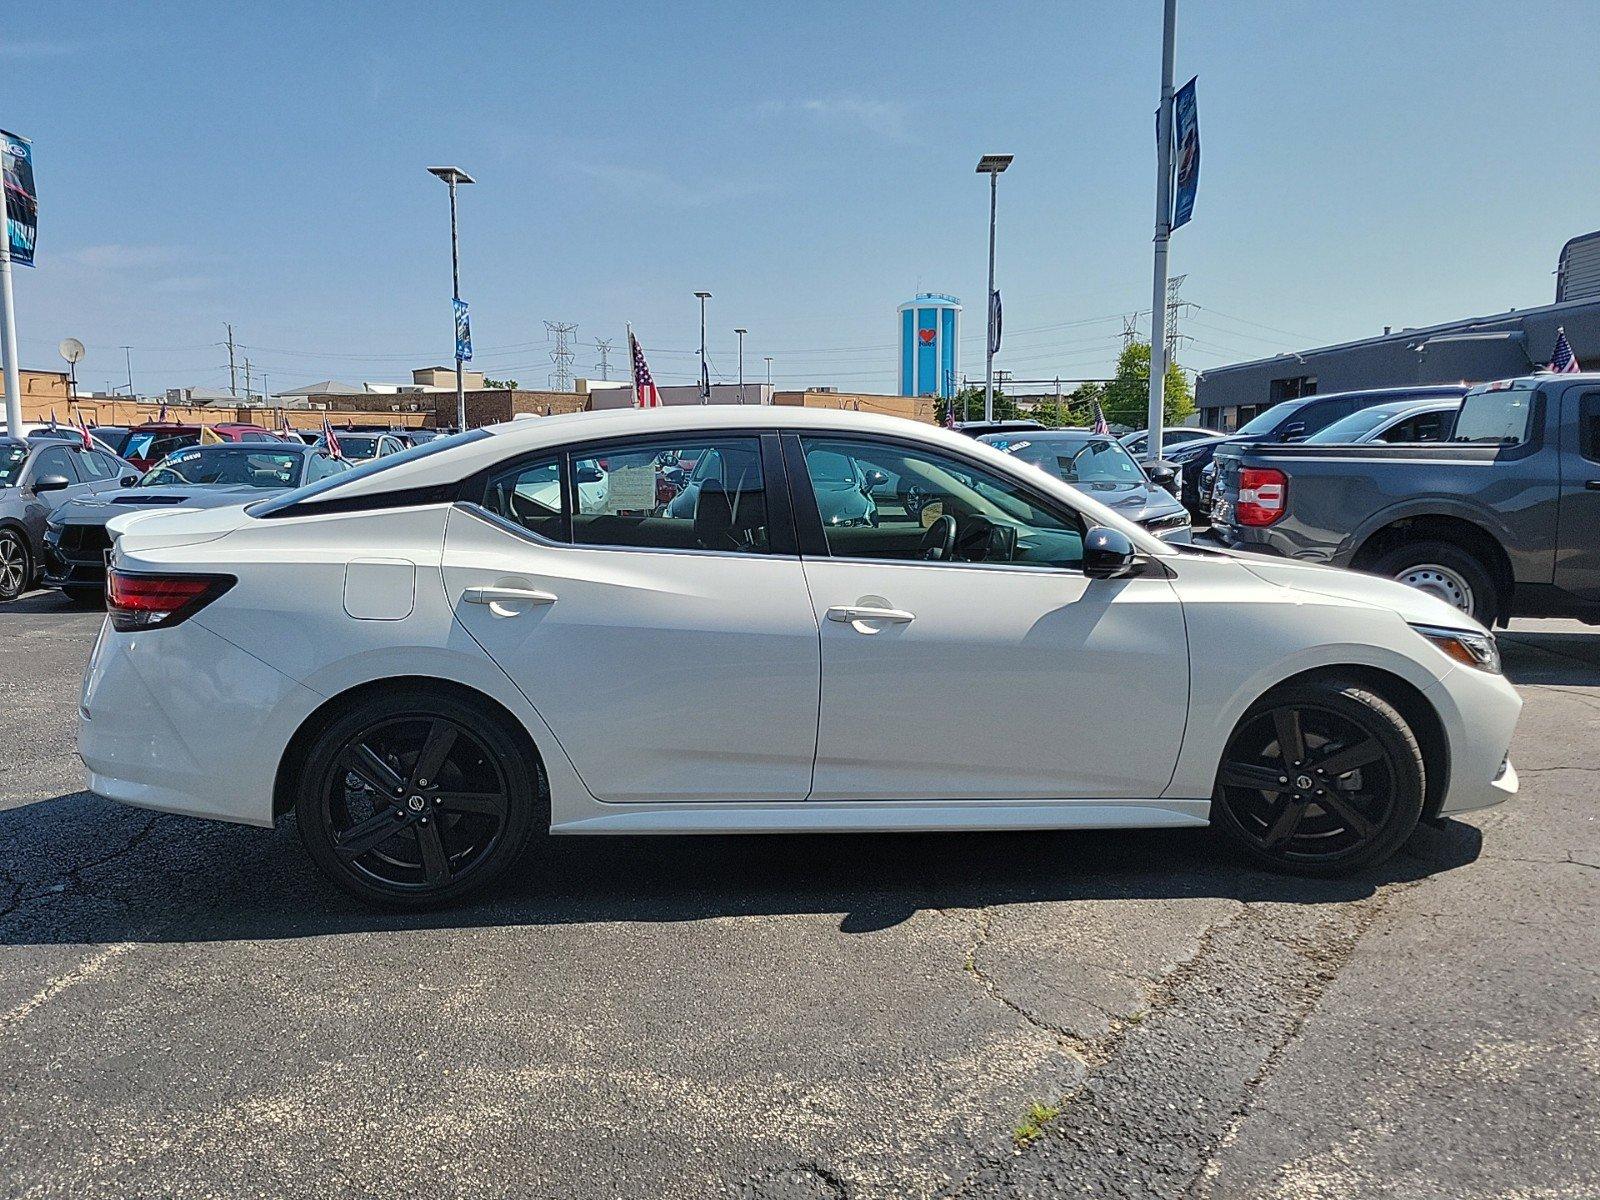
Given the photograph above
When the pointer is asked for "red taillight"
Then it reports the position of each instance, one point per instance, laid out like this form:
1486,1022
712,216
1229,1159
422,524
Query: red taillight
1263,493
155,601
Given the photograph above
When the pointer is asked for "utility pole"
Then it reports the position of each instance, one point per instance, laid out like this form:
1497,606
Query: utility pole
741,333
768,357
1158,301
561,377
1175,309
8,321
127,354
1130,330
705,371
233,375
604,345
247,381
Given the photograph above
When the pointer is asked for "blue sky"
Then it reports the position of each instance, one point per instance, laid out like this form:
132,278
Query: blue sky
811,165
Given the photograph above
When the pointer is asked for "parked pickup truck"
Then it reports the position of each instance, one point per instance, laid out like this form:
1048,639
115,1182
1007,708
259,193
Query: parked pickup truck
1502,520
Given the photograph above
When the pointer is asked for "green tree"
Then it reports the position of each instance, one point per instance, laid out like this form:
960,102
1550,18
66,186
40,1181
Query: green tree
509,384
1127,397
969,401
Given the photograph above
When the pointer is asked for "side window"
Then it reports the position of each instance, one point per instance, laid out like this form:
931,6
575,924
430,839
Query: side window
698,494
1425,427
889,500
57,460
93,466
529,495
323,465
1589,426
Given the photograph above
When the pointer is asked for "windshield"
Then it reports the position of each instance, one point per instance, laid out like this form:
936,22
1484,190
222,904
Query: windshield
1265,422
1352,428
357,446
12,459
1496,417
1090,460
241,465
266,508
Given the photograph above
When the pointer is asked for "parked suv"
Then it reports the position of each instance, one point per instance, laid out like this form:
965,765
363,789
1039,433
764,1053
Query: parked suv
37,477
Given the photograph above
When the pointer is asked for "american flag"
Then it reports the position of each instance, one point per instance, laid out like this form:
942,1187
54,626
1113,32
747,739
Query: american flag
331,439
1099,425
1563,361
645,392
83,428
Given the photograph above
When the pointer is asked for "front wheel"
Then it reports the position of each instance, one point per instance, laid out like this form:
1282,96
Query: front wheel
15,565
1320,778
415,800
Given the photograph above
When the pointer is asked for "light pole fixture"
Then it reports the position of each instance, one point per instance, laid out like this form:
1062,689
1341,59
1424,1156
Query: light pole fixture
705,372
453,176
991,165
741,333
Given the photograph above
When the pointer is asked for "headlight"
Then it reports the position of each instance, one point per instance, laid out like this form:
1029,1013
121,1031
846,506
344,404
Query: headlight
1466,646
1175,520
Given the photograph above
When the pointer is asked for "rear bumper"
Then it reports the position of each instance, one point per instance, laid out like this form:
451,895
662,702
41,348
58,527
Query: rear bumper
181,720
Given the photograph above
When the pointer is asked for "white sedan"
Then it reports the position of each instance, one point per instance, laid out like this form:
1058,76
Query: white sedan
432,658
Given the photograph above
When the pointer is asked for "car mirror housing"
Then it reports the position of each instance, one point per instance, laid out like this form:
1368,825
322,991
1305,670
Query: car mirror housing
50,483
128,480
1107,553
1161,473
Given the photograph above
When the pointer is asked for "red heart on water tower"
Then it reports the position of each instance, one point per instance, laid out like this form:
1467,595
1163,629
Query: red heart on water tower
926,335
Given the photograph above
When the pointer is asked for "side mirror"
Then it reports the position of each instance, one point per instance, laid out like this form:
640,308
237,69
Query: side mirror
876,478
128,480
589,474
50,483
1161,473
1293,431
1107,553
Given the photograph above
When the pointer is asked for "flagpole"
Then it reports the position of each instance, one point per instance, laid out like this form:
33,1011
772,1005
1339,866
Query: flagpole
1158,302
633,371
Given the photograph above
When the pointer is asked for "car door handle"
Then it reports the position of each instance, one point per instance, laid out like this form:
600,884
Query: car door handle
1593,485
497,596
851,613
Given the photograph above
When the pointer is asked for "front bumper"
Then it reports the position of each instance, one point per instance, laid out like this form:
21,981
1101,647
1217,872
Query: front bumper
75,556
1479,712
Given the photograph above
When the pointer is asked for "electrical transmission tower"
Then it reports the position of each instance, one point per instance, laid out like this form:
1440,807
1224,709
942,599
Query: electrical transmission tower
561,355
604,366
1130,330
1176,308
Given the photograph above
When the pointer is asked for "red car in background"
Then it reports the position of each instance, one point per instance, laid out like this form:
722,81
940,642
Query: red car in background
147,444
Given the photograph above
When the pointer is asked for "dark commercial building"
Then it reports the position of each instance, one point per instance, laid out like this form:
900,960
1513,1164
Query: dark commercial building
1470,350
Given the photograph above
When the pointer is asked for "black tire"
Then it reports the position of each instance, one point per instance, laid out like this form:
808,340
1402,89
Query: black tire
1283,799
85,597
16,565
449,840
1457,569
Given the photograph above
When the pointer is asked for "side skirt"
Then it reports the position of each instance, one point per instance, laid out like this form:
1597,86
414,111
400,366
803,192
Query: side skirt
891,816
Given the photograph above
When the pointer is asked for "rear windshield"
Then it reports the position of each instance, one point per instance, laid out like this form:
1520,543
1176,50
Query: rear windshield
1496,417
311,491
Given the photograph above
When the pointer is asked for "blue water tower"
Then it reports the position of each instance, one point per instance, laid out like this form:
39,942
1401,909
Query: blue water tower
930,345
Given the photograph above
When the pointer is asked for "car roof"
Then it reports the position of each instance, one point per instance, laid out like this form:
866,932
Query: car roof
1055,435
294,447
1392,408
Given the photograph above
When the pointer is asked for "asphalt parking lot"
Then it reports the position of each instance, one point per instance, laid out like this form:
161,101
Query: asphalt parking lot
186,1009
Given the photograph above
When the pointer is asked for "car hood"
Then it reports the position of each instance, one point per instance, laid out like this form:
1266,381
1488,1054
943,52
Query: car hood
1413,606
1136,501
97,510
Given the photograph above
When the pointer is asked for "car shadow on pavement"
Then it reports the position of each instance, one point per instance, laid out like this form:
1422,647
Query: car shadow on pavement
1561,659
90,871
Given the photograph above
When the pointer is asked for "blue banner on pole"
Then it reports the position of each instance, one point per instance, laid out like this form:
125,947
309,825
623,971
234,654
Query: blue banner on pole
463,331
1186,123
22,202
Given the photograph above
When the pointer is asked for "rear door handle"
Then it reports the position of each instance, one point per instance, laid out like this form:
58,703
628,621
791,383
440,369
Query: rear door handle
499,598
1593,485
853,613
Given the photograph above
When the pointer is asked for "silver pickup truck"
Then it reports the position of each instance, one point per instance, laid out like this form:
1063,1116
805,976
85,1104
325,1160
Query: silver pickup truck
1503,520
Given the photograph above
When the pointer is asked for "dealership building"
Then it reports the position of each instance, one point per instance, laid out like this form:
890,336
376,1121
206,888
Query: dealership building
1470,350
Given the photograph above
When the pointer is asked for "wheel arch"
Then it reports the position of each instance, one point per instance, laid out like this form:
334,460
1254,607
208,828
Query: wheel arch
1469,535
1409,701
299,746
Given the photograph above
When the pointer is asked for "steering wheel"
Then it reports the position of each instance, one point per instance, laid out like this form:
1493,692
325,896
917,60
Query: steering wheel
939,541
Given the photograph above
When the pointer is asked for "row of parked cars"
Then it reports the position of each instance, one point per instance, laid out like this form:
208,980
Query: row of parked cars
59,485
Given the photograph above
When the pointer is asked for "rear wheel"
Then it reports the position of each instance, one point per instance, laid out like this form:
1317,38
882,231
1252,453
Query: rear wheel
1445,570
16,568
1320,778
417,799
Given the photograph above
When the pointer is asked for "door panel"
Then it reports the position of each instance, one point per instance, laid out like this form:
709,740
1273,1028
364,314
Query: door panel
1003,684
665,675
1578,528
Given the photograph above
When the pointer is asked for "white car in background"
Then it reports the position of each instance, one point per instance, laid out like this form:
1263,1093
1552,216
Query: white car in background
432,658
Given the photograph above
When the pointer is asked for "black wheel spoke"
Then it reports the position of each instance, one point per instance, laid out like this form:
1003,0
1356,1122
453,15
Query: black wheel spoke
1284,824
1353,818
369,834
372,770
1342,762
491,804
441,739
1291,738
435,862
1252,775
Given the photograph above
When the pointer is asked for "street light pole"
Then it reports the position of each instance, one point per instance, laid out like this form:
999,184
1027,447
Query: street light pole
991,165
741,333
453,176
768,357
8,322
705,372
1158,304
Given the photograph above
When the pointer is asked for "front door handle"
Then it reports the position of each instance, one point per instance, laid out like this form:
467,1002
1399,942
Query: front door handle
854,613
1593,485
499,599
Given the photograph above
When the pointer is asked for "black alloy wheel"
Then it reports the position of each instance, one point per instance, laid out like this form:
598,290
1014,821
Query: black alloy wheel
15,565
1321,778
415,803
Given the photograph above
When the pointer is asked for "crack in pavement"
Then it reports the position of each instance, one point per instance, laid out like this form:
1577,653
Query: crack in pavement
75,873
